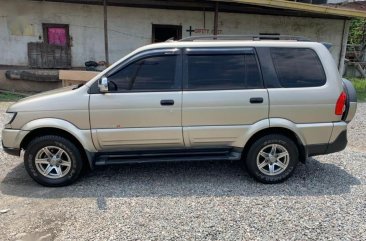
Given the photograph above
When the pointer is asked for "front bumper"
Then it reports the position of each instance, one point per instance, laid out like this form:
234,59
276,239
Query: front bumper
11,140
11,151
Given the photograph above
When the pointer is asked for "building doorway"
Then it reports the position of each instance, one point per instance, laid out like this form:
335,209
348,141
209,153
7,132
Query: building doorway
161,33
269,36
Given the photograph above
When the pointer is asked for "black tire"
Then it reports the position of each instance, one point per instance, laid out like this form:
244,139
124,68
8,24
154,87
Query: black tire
263,142
70,151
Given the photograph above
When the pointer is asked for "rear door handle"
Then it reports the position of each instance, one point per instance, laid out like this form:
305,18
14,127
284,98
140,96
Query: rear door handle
167,102
256,100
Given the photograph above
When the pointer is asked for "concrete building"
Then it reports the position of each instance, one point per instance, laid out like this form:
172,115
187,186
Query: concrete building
62,34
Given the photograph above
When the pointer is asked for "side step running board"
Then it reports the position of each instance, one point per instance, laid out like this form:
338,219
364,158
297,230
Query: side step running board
127,158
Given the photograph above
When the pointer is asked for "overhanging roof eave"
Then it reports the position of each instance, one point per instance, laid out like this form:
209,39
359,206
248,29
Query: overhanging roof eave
296,6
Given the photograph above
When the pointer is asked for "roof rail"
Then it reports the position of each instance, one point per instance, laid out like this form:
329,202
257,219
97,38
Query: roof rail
245,37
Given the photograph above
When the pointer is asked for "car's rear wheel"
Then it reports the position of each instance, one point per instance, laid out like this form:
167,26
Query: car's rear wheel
53,161
272,158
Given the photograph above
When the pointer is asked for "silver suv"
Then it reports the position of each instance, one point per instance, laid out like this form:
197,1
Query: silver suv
269,104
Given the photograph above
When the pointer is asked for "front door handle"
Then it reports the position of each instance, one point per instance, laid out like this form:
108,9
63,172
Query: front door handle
256,100
167,102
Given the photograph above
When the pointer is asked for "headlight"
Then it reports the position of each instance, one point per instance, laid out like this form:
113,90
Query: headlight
9,117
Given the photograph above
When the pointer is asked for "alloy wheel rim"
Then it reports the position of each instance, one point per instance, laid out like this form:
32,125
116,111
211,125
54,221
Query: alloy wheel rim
53,162
273,159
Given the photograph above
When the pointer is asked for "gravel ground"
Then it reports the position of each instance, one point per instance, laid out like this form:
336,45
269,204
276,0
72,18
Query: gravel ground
324,200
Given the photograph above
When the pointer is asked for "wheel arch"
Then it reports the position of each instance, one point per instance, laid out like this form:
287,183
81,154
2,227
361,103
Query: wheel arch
278,130
49,126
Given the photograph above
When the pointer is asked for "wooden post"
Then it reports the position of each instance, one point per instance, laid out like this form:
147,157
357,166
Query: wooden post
106,33
343,50
216,20
204,18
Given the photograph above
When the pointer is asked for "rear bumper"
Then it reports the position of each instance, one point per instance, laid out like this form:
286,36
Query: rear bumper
337,145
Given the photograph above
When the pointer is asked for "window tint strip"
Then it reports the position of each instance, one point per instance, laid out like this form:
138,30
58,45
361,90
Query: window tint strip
216,51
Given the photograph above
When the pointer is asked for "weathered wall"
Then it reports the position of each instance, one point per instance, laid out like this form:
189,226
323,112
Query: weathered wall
322,30
129,28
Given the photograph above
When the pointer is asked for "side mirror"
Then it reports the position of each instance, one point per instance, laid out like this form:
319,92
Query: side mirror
103,85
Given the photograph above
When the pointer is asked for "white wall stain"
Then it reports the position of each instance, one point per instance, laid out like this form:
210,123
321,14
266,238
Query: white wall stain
20,26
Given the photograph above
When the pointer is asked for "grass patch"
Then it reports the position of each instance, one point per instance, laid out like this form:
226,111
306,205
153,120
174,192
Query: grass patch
10,97
360,86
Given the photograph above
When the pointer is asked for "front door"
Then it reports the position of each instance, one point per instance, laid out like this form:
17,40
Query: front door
143,107
223,97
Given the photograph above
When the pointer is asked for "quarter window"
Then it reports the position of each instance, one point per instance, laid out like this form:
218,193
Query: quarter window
231,71
298,67
152,73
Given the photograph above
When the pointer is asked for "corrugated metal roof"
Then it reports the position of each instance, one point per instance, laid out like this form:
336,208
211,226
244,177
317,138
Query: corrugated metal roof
359,5
297,6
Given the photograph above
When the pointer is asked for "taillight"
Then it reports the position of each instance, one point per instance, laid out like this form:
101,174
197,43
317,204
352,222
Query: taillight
340,103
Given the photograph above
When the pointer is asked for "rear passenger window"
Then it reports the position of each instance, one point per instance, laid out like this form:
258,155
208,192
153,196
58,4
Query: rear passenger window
231,71
298,67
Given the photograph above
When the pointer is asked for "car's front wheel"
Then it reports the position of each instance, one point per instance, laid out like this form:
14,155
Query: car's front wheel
272,158
53,161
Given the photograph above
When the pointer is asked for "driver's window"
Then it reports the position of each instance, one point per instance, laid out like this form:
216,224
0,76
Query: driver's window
151,73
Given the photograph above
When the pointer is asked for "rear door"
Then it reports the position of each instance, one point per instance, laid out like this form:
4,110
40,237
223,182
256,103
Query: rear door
223,96
300,91
303,91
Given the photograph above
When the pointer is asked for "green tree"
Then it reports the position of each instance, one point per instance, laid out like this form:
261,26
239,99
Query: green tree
357,31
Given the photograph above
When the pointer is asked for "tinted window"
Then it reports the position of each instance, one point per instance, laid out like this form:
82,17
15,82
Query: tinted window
298,67
235,71
152,73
